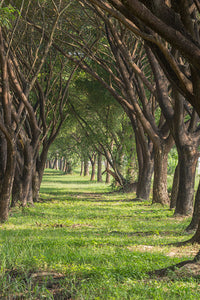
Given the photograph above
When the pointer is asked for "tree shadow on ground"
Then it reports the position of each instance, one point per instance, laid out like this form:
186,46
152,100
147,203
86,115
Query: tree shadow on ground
187,268
52,282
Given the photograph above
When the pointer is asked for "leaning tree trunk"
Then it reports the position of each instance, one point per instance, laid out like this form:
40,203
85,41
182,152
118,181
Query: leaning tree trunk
188,157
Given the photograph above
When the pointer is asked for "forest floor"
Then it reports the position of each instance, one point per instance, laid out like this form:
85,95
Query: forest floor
83,241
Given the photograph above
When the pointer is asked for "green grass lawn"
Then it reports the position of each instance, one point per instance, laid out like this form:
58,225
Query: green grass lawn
83,242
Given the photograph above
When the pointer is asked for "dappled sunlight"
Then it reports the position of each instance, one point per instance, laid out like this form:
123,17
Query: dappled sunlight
76,234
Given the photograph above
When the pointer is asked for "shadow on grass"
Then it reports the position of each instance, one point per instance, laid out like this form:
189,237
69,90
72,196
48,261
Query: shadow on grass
79,182
146,233
52,282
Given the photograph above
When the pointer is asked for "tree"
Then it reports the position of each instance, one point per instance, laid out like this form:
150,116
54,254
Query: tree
171,30
24,51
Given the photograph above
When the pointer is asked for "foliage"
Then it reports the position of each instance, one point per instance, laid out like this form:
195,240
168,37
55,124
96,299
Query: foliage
172,160
7,15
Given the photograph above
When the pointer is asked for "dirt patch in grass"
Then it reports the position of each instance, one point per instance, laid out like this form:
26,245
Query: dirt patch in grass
185,251
190,250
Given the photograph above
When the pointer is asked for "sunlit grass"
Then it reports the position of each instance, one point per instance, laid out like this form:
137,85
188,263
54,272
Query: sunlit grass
103,244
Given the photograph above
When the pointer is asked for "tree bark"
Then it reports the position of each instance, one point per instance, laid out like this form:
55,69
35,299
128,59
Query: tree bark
107,173
160,193
175,188
93,163
144,180
188,157
86,167
17,191
196,236
196,213
27,173
99,170
82,167
3,158
131,171
7,182
36,186
146,167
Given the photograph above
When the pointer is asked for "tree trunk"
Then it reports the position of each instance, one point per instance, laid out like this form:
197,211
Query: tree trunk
144,180
17,192
146,167
3,157
30,196
50,164
144,149
86,167
175,188
38,171
64,165
27,172
82,167
131,171
196,236
107,173
93,163
188,157
57,164
160,193
196,213
35,186
7,182
99,170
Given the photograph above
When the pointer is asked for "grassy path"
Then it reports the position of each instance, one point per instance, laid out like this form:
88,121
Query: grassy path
82,242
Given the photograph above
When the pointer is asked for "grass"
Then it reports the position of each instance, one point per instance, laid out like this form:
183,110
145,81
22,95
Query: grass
82,242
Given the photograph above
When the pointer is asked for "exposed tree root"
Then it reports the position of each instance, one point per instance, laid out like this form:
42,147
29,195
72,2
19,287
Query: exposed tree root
163,272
